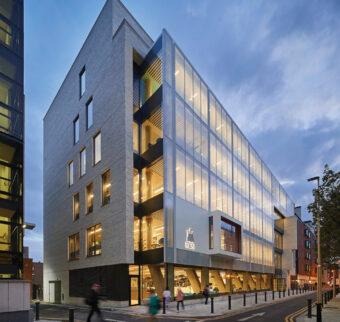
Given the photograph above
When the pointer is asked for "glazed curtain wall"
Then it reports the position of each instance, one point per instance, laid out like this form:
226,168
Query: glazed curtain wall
217,169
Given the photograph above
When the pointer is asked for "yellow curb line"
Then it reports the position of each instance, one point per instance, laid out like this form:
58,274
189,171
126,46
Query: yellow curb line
292,316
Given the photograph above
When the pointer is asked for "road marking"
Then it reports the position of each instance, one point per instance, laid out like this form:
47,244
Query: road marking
251,316
291,317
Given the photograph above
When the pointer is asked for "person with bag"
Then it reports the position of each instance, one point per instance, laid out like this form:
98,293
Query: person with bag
180,298
206,294
92,300
154,305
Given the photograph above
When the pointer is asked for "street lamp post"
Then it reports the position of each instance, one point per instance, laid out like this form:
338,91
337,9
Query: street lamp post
319,267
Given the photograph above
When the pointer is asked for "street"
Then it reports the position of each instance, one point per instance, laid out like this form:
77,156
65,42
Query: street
268,313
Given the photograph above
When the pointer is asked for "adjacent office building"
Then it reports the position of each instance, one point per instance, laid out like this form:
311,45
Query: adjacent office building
299,247
148,182
11,138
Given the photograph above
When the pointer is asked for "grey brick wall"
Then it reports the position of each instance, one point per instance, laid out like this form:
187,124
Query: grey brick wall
108,56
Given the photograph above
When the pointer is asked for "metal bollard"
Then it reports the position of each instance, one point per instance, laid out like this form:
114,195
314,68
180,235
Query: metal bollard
273,295
255,297
229,302
37,311
318,312
279,294
265,296
288,292
164,305
244,299
309,304
284,293
71,315
325,296
212,305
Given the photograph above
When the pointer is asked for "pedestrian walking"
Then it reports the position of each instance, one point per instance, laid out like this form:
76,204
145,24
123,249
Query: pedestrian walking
154,305
206,292
167,296
93,300
180,299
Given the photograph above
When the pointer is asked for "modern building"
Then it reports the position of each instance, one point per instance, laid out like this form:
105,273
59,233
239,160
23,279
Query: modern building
11,138
148,182
300,243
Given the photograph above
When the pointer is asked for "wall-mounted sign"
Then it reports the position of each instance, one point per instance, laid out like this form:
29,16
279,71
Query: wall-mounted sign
189,239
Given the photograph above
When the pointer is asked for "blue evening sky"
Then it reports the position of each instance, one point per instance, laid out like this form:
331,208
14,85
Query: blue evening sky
273,64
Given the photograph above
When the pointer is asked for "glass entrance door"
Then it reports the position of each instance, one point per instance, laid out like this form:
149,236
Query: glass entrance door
134,290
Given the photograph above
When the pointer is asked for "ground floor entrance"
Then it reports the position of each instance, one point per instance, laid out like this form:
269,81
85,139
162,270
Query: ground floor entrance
191,280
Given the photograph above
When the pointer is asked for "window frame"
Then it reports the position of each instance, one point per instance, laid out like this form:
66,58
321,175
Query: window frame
89,103
94,148
82,74
76,123
87,240
107,199
82,168
69,177
74,215
87,212
77,257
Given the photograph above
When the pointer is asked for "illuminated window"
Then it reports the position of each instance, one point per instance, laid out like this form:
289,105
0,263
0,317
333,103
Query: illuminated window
152,231
82,162
152,181
106,187
89,113
94,240
76,206
89,198
82,82
73,247
135,185
151,131
70,174
135,137
5,33
230,236
76,130
136,233
97,149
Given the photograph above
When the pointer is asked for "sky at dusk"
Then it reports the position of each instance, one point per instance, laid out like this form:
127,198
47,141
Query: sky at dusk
273,64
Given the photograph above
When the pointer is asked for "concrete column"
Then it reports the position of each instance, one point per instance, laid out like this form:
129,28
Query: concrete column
169,277
157,278
218,281
204,277
194,281
258,281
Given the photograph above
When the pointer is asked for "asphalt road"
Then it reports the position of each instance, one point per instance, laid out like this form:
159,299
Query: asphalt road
271,313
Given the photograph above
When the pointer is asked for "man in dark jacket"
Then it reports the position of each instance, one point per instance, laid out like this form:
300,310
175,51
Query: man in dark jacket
93,300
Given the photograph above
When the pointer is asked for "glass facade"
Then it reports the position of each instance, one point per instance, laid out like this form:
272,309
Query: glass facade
11,138
217,169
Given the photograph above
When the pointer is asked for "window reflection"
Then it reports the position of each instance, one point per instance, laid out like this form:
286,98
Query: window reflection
73,247
106,187
89,198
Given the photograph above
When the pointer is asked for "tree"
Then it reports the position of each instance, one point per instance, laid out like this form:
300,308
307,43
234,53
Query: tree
328,197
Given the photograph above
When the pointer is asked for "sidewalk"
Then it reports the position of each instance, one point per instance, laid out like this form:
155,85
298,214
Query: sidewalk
330,312
199,309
